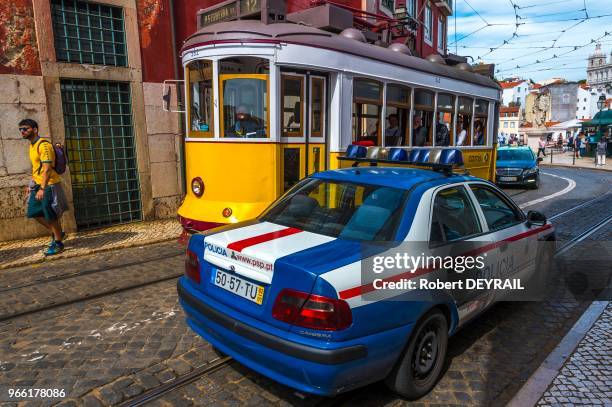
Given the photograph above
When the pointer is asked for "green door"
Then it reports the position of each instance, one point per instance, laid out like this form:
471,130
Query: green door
101,152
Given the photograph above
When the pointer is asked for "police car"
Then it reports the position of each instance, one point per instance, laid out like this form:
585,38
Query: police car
286,294
517,166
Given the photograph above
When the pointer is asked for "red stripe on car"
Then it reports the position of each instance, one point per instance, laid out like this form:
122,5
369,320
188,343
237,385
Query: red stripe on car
266,237
363,289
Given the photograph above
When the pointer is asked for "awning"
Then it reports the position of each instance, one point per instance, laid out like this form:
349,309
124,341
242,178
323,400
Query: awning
603,118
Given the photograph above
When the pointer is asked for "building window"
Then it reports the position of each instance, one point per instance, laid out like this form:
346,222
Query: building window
88,33
428,24
512,124
411,7
441,37
101,149
506,125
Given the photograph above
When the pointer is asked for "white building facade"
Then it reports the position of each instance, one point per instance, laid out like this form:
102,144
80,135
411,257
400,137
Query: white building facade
514,91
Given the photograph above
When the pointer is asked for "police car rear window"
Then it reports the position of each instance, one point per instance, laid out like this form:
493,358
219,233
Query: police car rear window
342,210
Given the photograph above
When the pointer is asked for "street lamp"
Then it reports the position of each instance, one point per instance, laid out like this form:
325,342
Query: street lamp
601,102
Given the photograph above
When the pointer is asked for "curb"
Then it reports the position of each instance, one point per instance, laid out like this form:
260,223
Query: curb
542,164
68,254
537,384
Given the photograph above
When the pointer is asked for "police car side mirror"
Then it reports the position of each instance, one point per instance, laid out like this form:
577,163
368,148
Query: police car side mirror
535,218
540,159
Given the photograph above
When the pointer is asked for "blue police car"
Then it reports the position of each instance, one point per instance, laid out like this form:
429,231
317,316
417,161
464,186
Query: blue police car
517,166
287,294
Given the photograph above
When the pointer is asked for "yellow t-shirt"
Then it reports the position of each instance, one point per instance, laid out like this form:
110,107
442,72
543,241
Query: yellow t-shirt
42,152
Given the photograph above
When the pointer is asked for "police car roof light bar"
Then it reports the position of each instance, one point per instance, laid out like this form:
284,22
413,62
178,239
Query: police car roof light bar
399,156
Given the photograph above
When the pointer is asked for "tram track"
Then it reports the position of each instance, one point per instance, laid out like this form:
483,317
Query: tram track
66,276
351,396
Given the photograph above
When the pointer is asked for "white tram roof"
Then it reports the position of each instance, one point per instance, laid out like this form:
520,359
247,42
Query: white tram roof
255,31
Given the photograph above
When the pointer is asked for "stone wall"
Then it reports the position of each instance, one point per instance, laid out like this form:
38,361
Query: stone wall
22,96
164,151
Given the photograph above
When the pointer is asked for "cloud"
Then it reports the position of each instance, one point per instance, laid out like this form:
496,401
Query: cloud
490,36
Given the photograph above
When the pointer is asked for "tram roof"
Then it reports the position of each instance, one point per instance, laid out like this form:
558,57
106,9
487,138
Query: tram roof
255,31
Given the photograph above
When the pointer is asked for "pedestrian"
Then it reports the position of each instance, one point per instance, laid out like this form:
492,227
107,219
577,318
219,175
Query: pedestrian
577,142
602,150
583,145
570,142
45,196
542,146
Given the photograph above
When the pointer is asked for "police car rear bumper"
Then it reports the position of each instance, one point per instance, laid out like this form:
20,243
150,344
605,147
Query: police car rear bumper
323,371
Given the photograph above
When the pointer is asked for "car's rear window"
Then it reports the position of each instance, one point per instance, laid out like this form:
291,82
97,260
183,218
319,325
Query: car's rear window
338,209
511,155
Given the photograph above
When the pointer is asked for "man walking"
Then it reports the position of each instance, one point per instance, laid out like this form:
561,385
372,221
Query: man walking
602,150
542,146
46,200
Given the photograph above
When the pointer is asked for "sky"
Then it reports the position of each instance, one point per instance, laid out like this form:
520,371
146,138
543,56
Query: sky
486,30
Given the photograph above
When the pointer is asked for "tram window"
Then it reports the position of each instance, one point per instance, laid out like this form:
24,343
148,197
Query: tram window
292,91
423,118
464,122
398,112
445,119
480,122
244,65
367,109
200,98
317,107
245,106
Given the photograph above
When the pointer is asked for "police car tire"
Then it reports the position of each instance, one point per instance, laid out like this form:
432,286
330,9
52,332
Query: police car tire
401,379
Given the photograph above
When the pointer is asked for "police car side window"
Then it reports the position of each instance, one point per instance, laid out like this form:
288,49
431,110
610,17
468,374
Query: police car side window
497,212
453,216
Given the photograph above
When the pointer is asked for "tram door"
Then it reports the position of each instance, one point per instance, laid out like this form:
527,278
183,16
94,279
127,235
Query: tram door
303,125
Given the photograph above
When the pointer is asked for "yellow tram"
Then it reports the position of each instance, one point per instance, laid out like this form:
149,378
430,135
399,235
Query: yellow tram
268,104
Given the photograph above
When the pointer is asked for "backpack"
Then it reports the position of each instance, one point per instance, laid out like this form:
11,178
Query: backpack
61,159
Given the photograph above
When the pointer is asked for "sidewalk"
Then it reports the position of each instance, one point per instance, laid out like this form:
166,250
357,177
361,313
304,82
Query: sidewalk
565,160
579,370
586,377
23,252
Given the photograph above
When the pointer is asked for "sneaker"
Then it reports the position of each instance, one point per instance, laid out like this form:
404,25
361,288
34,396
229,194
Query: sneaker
54,248
53,238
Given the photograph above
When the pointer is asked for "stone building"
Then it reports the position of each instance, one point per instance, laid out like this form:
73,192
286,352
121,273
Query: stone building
91,74
599,71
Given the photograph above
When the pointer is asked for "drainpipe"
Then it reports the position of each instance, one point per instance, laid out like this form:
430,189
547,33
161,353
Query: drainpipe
179,96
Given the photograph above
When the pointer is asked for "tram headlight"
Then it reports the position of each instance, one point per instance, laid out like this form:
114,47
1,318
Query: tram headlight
227,212
197,186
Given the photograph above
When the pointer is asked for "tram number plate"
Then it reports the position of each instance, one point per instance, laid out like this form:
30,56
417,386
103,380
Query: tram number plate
239,286
507,179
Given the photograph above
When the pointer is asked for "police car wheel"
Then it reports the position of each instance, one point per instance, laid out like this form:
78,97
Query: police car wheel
419,367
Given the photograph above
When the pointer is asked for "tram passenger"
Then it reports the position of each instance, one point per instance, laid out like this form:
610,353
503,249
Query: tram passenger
442,134
393,134
420,132
461,138
478,134
246,125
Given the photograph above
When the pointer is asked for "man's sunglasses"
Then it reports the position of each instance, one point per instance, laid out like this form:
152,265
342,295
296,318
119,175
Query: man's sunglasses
24,129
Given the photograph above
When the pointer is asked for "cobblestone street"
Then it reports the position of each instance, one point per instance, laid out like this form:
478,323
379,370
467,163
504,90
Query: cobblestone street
586,377
107,327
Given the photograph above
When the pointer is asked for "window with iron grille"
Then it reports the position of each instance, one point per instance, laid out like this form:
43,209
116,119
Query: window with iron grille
101,151
88,33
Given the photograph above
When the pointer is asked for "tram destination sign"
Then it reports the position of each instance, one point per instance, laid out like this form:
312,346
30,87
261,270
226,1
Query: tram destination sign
239,9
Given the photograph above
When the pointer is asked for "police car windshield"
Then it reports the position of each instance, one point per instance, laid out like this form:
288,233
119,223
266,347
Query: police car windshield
342,210
511,155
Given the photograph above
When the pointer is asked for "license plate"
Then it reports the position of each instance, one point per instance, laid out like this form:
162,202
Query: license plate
503,179
239,286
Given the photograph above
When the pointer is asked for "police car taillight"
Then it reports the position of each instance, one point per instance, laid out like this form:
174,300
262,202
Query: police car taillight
312,311
192,266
